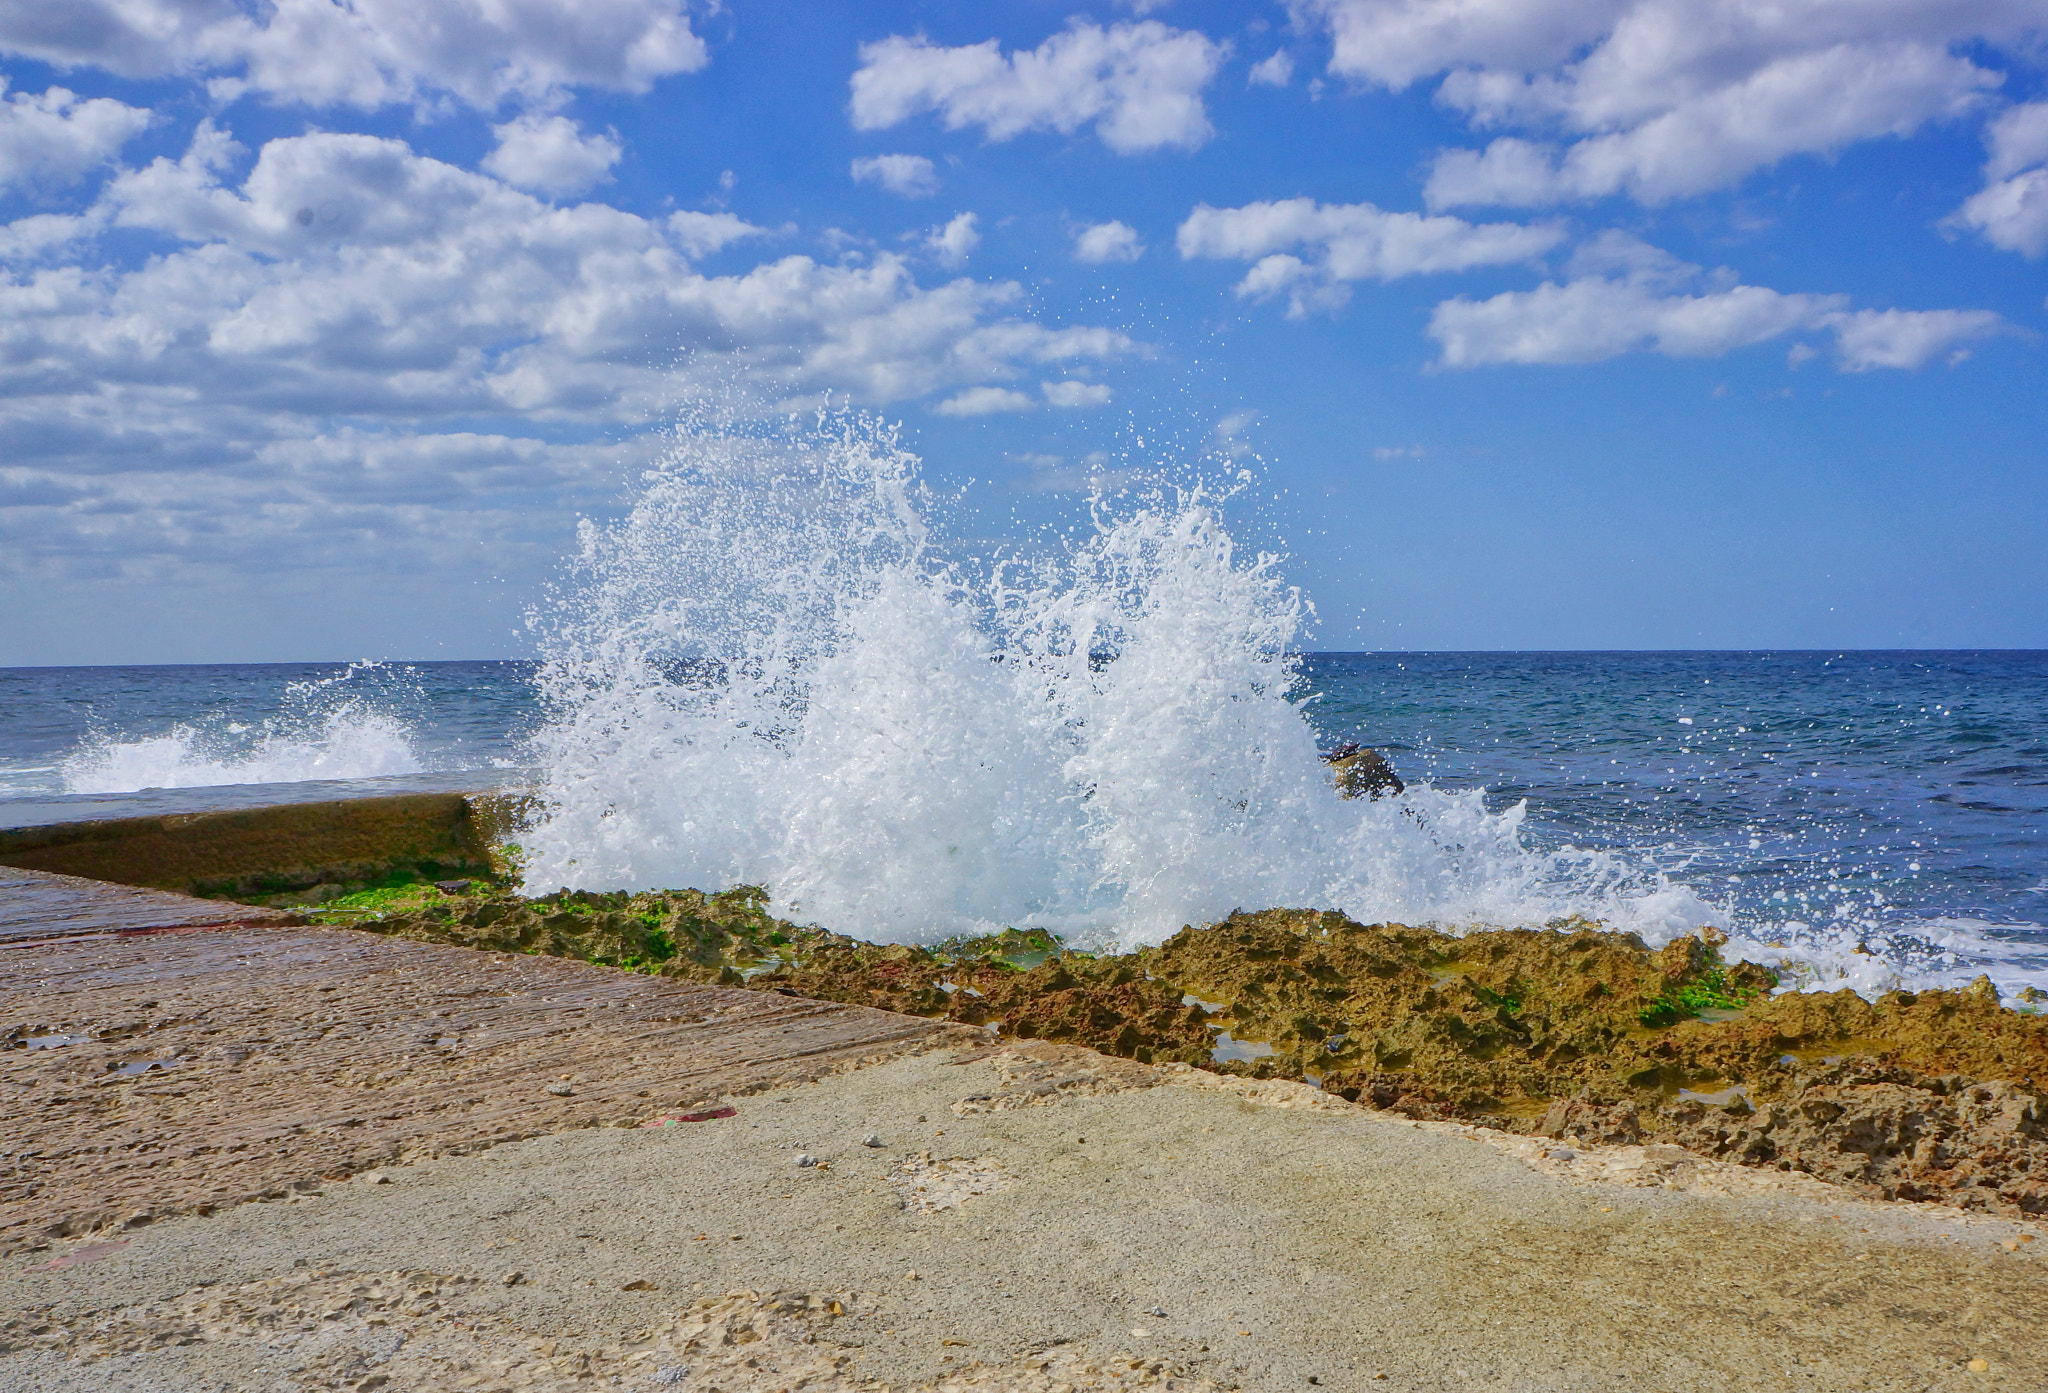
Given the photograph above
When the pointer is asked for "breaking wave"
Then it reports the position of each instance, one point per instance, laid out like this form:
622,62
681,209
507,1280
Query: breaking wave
775,671
770,673
325,732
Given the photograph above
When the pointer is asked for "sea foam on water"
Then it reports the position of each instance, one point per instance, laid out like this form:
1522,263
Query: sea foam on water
324,731
769,673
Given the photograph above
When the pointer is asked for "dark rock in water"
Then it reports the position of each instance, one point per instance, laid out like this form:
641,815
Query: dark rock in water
453,887
1362,773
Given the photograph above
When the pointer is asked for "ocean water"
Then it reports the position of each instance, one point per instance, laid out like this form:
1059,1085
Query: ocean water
777,669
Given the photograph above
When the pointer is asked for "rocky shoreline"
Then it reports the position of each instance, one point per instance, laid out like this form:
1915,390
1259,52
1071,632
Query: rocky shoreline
1571,1032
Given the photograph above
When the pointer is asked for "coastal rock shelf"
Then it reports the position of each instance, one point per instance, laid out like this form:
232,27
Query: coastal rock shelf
1573,1032
176,1073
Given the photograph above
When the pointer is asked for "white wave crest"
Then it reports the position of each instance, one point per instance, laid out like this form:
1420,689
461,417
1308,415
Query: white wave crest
349,739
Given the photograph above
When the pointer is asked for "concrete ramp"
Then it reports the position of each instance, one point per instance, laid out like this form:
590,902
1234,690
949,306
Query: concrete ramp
39,905
147,1074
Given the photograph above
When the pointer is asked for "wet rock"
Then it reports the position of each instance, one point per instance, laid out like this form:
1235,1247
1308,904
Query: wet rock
1362,773
1585,1118
1890,1131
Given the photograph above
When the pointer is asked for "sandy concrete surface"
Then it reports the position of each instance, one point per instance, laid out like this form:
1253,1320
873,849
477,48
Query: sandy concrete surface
1071,1222
40,905
143,1076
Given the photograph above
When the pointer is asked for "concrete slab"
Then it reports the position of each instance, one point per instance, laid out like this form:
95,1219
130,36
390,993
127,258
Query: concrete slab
38,905
1032,1219
171,1073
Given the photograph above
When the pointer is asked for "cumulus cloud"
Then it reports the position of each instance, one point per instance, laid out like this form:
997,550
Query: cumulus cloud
1103,242
1138,85
1907,338
368,53
298,342
1073,393
1276,71
2011,211
1312,251
551,155
55,137
954,241
1623,296
1659,99
984,401
910,176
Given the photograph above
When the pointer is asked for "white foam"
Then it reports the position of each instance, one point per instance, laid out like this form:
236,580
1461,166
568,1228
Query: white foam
765,675
322,734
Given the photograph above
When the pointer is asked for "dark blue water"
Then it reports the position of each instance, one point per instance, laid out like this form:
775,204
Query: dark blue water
1882,788
1902,796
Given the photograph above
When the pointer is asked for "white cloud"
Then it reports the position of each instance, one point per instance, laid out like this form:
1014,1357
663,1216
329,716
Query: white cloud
1906,338
1092,473
953,242
2011,211
910,176
1139,85
1659,99
551,155
1072,394
368,53
1275,71
1104,242
1347,242
2018,140
1807,103
56,137
984,401
1624,296
317,337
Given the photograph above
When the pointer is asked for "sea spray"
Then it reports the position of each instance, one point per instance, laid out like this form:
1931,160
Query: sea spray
328,729
769,673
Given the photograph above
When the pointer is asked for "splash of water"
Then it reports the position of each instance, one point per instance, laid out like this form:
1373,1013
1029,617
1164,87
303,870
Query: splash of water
768,674
324,732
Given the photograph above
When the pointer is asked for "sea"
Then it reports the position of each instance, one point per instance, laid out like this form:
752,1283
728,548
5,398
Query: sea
776,670
1898,796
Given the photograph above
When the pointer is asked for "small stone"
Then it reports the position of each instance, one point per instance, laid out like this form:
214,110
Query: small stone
804,1160
560,1090
376,1178
640,1284
1561,1153
670,1373
1979,1366
513,1279
911,1275
871,1139
1157,1313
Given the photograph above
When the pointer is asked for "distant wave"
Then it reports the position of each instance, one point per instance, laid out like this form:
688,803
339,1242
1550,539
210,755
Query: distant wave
321,735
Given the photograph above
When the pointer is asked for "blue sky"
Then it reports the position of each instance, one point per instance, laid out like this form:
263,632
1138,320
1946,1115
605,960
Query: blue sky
1546,323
